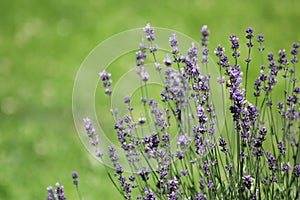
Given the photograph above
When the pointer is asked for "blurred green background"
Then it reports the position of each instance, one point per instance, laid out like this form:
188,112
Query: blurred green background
43,43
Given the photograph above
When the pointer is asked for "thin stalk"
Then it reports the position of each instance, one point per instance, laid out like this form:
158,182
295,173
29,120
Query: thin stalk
247,69
78,193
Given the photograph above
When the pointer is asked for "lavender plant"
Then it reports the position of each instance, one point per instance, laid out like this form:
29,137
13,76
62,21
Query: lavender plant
179,149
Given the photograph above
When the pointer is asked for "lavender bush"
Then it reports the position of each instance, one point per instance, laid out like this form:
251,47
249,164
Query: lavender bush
255,155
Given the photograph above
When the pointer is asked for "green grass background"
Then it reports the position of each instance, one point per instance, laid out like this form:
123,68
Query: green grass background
43,43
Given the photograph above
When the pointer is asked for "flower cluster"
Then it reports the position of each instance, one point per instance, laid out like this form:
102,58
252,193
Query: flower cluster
75,178
106,81
57,194
179,148
94,138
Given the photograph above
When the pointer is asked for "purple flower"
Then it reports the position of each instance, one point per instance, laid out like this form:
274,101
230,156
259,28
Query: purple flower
249,32
174,43
60,192
242,155
211,185
172,196
105,77
140,55
118,169
184,141
222,142
273,179
247,181
163,173
51,194
149,33
297,171
106,81
158,66
249,36
248,60
140,62
142,47
168,61
176,88
205,53
151,143
142,120
204,44
200,196
286,167
264,181
159,115
228,167
225,149
296,45
235,42
149,195
262,130
201,184
260,38
281,147
173,40
193,54
144,76
205,166
127,99
75,175
126,187
165,138
131,178
94,138
144,173
282,57
205,32
113,156
180,155
219,51
153,49
295,52
223,59
173,184
185,172
75,178
271,162
257,85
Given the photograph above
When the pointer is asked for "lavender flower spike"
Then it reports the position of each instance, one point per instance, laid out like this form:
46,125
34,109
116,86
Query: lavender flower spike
60,192
149,33
94,138
75,178
205,33
51,194
174,43
106,81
